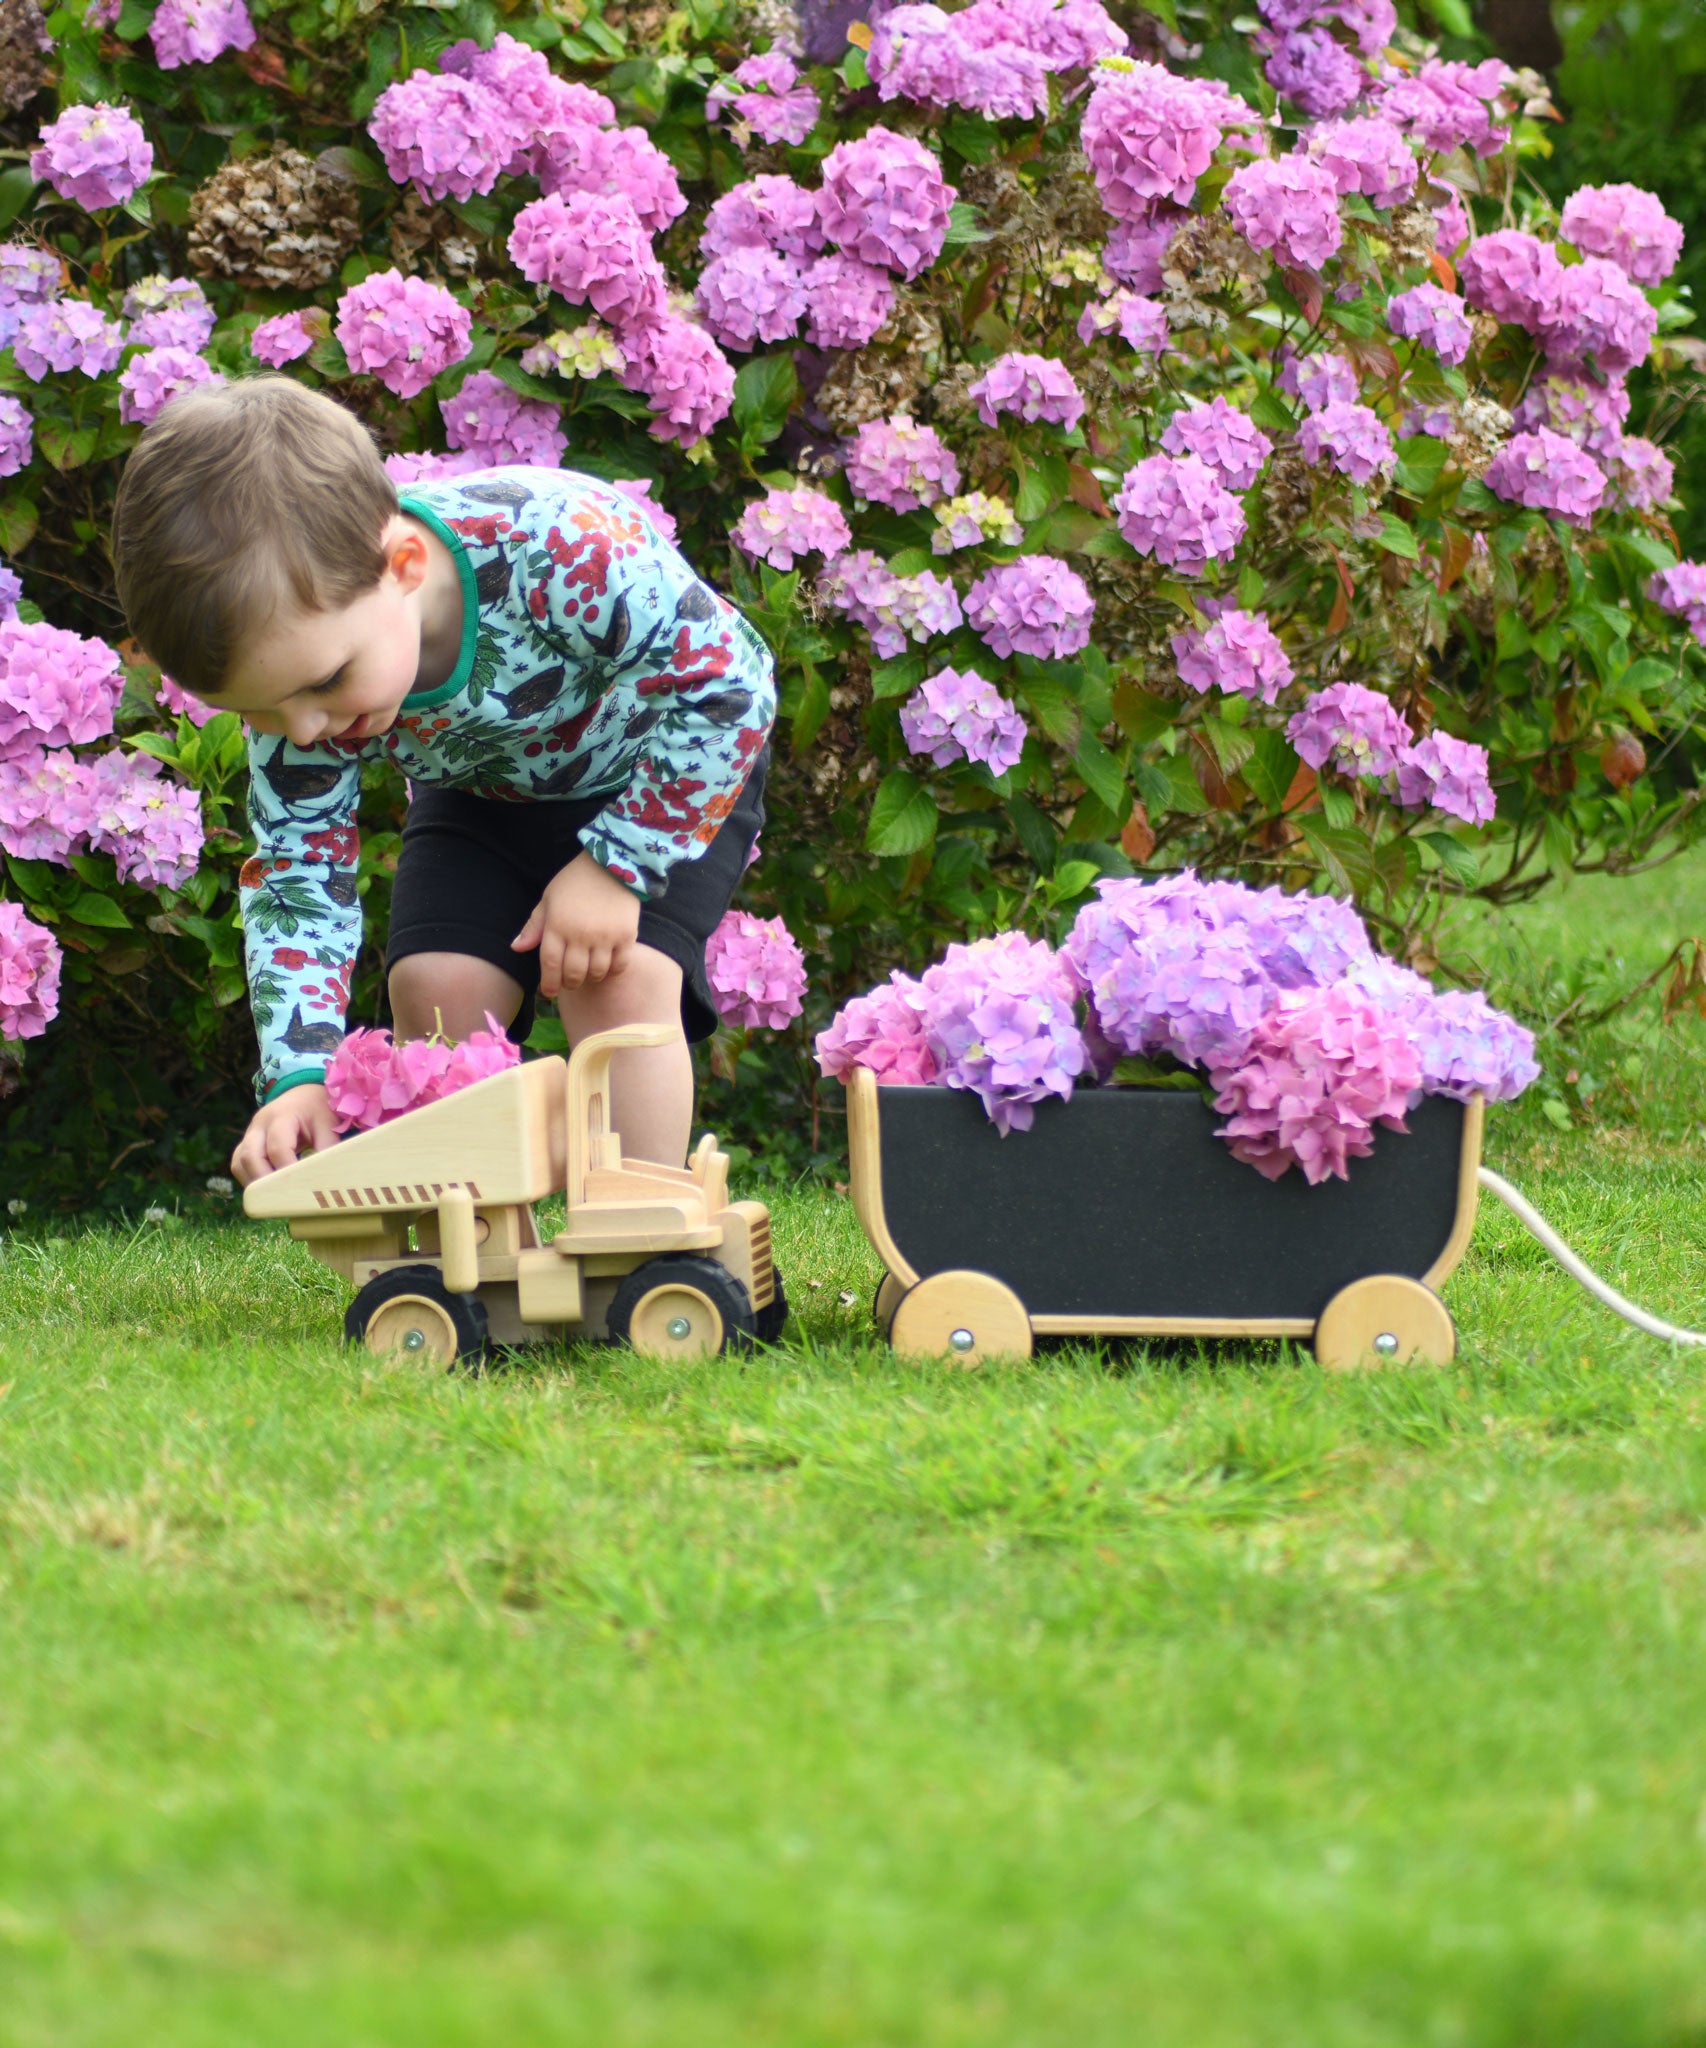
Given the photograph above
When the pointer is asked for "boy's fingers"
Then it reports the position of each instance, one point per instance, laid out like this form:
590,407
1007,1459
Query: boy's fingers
597,963
574,964
281,1143
529,934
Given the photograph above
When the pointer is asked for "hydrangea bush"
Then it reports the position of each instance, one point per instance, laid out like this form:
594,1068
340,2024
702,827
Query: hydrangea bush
1139,456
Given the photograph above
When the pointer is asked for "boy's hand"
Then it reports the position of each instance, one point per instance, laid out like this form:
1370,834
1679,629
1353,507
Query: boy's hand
584,926
298,1120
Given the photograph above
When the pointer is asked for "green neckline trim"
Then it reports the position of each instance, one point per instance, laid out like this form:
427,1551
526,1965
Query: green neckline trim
423,700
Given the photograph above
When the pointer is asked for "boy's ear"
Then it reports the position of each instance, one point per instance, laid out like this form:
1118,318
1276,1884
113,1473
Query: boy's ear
406,556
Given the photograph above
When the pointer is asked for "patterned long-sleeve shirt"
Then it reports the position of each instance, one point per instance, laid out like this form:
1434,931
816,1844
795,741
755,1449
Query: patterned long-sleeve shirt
594,663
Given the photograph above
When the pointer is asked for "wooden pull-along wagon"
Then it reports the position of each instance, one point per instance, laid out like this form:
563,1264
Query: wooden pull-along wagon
1121,1214
431,1219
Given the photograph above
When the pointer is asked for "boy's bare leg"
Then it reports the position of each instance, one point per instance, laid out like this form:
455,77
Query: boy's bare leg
651,1088
449,992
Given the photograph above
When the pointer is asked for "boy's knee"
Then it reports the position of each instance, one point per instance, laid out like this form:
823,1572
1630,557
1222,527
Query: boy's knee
449,991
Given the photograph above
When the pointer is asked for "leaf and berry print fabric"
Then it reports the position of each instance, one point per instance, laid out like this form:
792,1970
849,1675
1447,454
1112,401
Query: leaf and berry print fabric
594,663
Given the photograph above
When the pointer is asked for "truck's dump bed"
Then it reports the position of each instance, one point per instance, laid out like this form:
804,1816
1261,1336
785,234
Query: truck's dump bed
492,1139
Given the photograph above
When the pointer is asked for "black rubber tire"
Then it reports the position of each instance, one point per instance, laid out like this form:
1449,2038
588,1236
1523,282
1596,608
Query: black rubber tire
771,1321
466,1311
688,1269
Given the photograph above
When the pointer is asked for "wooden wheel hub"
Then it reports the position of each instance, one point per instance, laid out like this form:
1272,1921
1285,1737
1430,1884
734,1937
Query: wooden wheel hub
675,1320
1386,1319
968,1318
410,1329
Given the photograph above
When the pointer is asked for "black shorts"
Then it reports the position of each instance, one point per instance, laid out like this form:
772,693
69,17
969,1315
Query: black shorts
472,868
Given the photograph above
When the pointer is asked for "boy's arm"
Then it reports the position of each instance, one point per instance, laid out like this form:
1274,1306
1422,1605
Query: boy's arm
702,688
301,914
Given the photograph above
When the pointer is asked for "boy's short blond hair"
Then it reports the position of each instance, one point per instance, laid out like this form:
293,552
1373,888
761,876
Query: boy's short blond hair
240,500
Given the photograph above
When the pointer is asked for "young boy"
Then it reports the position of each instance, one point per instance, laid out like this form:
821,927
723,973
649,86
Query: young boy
583,724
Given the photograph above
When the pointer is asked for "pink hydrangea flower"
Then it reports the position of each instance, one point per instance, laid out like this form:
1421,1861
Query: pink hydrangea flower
756,971
402,330
150,826
958,715
1320,1072
1310,68
540,106
1036,605
11,590
180,704
30,962
1033,387
765,212
1357,730
999,1018
1238,652
591,248
1175,508
371,1080
1449,105
1352,438
1229,441
1137,245
1599,319
28,276
773,102
1514,276
1642,475
44,805
447,136
613,163
149,380
1548,474
785,525
168,312
67,334
750,296
1592,415
882,1031
425,466
919,53
281,339
1139,322
1288,205
900,464
1681,590
1068,35
1454,225
56,688
1627,226
686,379
1318,380
478,1057
498,425
1428,313
17,436
1368,156
1150,134
884,200
197,31
1448,774
94,156
891,608
848,302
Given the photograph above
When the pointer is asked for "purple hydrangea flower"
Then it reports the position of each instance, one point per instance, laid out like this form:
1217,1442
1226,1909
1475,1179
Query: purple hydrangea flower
883,1031
1289,205
1514,276
149,380
28,276
151,827
1355,729
1238,652
891,608
919,53
1229,441
540,108
756,971
1627,226
1600,319
783,526
1642,475
1318,380
197,31
495,424
1309,67
1429,313
971,519
765,212
1354,439
848,302
1033,387
897,463
591,248
957,715
168,312
425,466
1448,774
402,330
686,379
1682,592
67,334
281,339
1454,226
1175,508
1468,1048
999,1018
769,99
17,436
44,806
1368,156
1323,1068
1036,605
884,200
612,163
1150,134
94,156
1548,474
449,137
1592,415
57,689
1449,105
1136,246
749,296
30,962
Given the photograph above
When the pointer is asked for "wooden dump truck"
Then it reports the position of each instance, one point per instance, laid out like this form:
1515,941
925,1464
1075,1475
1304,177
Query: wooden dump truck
431,1219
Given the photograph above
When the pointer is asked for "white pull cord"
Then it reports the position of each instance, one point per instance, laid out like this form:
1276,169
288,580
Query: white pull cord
1578,1269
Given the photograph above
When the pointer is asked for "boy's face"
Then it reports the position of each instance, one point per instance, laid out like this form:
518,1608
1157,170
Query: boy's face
316,676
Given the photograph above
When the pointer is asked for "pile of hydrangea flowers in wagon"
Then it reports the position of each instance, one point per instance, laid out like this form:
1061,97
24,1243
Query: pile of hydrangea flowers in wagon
1305,1036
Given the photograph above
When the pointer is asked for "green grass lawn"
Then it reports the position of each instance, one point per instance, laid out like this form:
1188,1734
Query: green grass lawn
1181,1696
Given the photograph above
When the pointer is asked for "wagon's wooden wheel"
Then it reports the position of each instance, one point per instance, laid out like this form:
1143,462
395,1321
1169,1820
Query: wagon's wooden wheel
885,1301
681,1308
407,1316
1385,1319
969,1318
